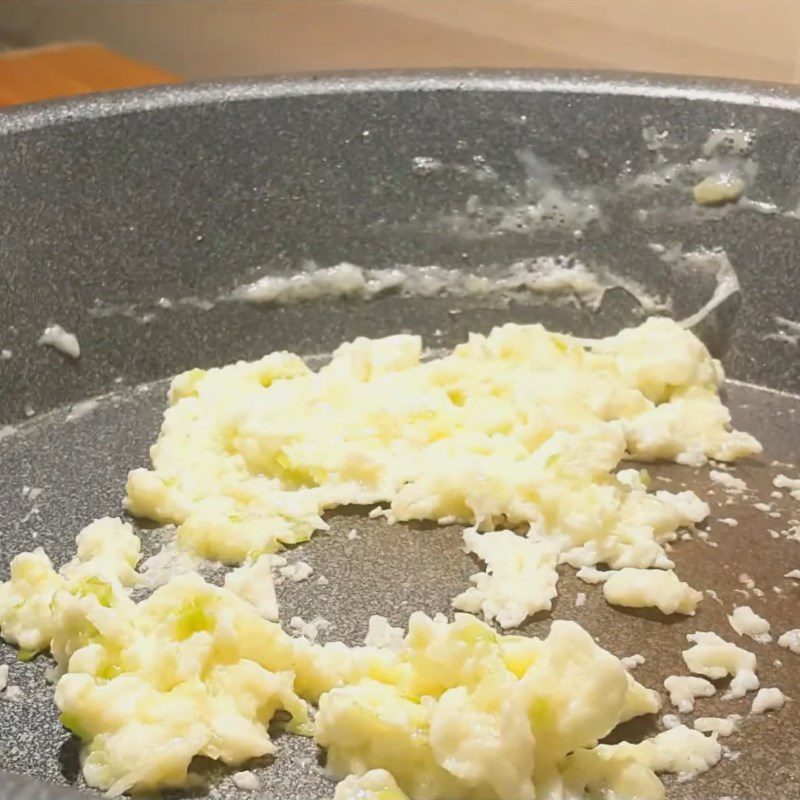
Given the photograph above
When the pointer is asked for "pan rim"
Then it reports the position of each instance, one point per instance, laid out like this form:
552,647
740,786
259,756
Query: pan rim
82,108
32,117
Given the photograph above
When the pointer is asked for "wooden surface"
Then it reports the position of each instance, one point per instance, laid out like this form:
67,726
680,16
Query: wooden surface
30,75
201,39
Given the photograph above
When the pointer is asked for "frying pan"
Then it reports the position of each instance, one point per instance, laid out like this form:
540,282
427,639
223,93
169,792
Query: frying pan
110,203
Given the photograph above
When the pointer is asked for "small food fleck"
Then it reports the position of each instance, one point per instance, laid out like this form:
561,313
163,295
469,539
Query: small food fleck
724,187
13,693
246,781
631,662
714,658
729,482
746,622
790,640
297,571
425,165
593,575
311,629
520,577
56,337
684,689
642,588
722,726
670,721
792,484
768,699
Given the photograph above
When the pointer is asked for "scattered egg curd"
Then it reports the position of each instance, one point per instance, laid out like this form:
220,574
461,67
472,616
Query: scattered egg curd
713,657
642,588
107,554
451,709
377,784
520,427
518,435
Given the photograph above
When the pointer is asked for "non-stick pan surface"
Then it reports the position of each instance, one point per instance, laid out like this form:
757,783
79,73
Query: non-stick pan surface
109,204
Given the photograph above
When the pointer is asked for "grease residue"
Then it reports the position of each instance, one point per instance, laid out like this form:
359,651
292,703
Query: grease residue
700,263
558,276
788,331
545,199
554,279
723,173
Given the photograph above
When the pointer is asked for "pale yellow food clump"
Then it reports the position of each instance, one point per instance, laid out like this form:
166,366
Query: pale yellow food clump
713,657
518,430
522,426
452,709
196,670
192,670
471,714
107,554
377,784
642,588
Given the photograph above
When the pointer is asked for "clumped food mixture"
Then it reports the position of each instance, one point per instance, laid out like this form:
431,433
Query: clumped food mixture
520,436
521,427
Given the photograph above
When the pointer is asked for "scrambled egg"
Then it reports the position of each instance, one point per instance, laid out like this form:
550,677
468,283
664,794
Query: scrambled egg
475,715
377,784
713,657
449,710
254,583
642,588
193,670
685,689
520,428
622,771
520,577
107,553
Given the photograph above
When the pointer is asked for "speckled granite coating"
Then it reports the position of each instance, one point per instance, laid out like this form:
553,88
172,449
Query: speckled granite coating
189,192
